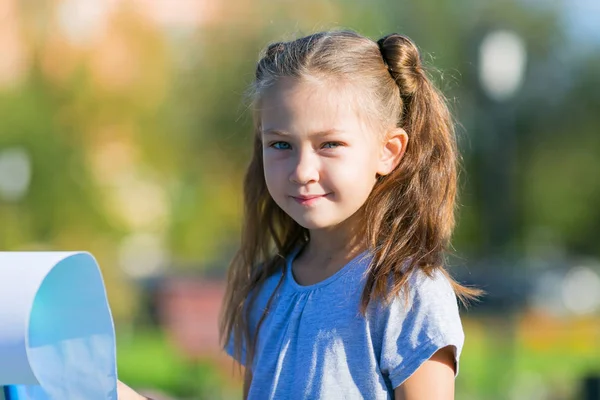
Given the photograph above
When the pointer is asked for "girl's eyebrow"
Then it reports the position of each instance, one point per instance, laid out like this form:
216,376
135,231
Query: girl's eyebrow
274,132
318,134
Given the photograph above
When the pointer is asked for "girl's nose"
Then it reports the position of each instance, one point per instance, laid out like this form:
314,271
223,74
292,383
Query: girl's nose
306,169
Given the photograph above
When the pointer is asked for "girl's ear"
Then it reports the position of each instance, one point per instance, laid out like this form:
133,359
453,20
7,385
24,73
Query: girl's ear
392,150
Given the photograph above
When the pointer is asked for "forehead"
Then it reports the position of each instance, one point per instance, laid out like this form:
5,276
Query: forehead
302,106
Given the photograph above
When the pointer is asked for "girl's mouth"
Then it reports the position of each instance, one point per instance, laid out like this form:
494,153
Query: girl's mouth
309,200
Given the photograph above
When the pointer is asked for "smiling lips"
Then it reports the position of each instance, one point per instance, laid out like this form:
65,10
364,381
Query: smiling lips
308,200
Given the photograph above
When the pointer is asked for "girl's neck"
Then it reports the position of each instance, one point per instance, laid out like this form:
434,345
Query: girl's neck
345,240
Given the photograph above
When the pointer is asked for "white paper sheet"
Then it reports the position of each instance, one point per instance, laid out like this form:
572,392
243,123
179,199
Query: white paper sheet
57,335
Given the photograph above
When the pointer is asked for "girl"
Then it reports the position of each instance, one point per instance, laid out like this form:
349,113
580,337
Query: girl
338,290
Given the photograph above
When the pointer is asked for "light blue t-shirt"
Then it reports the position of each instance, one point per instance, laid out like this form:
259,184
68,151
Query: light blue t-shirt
315,344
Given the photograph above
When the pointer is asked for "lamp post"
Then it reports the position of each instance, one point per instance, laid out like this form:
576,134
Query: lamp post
501,65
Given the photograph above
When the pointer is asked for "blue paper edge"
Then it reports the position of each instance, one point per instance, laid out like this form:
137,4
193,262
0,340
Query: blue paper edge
11,392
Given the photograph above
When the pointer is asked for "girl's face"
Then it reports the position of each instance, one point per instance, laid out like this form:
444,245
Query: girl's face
320,159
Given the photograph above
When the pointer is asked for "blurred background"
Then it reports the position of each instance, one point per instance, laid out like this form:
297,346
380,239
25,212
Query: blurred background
124,132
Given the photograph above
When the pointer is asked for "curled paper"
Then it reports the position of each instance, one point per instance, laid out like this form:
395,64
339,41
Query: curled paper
57,338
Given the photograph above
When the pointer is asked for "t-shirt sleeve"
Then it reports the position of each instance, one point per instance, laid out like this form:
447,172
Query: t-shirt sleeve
413,331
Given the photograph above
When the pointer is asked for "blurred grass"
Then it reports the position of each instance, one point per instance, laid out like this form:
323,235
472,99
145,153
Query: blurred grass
503,360
148,361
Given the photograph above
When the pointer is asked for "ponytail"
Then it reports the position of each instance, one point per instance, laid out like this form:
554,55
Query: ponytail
414,231
431,157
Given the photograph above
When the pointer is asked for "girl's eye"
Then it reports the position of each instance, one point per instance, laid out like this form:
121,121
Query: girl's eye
281,145
331,145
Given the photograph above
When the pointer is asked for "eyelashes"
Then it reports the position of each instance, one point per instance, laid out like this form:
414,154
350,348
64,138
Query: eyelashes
332,145
281,145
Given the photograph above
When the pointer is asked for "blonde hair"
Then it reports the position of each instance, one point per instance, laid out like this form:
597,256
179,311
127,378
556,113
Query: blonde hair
409,215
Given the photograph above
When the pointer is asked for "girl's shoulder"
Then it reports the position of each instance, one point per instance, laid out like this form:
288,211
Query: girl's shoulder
435,285
426,295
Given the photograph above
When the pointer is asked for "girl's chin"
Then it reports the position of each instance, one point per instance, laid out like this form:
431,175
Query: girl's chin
316,224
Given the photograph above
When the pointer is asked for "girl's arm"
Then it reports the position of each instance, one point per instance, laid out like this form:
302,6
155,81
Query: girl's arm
433,380
124,392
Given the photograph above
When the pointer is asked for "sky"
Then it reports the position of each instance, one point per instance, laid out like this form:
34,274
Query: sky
582,21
